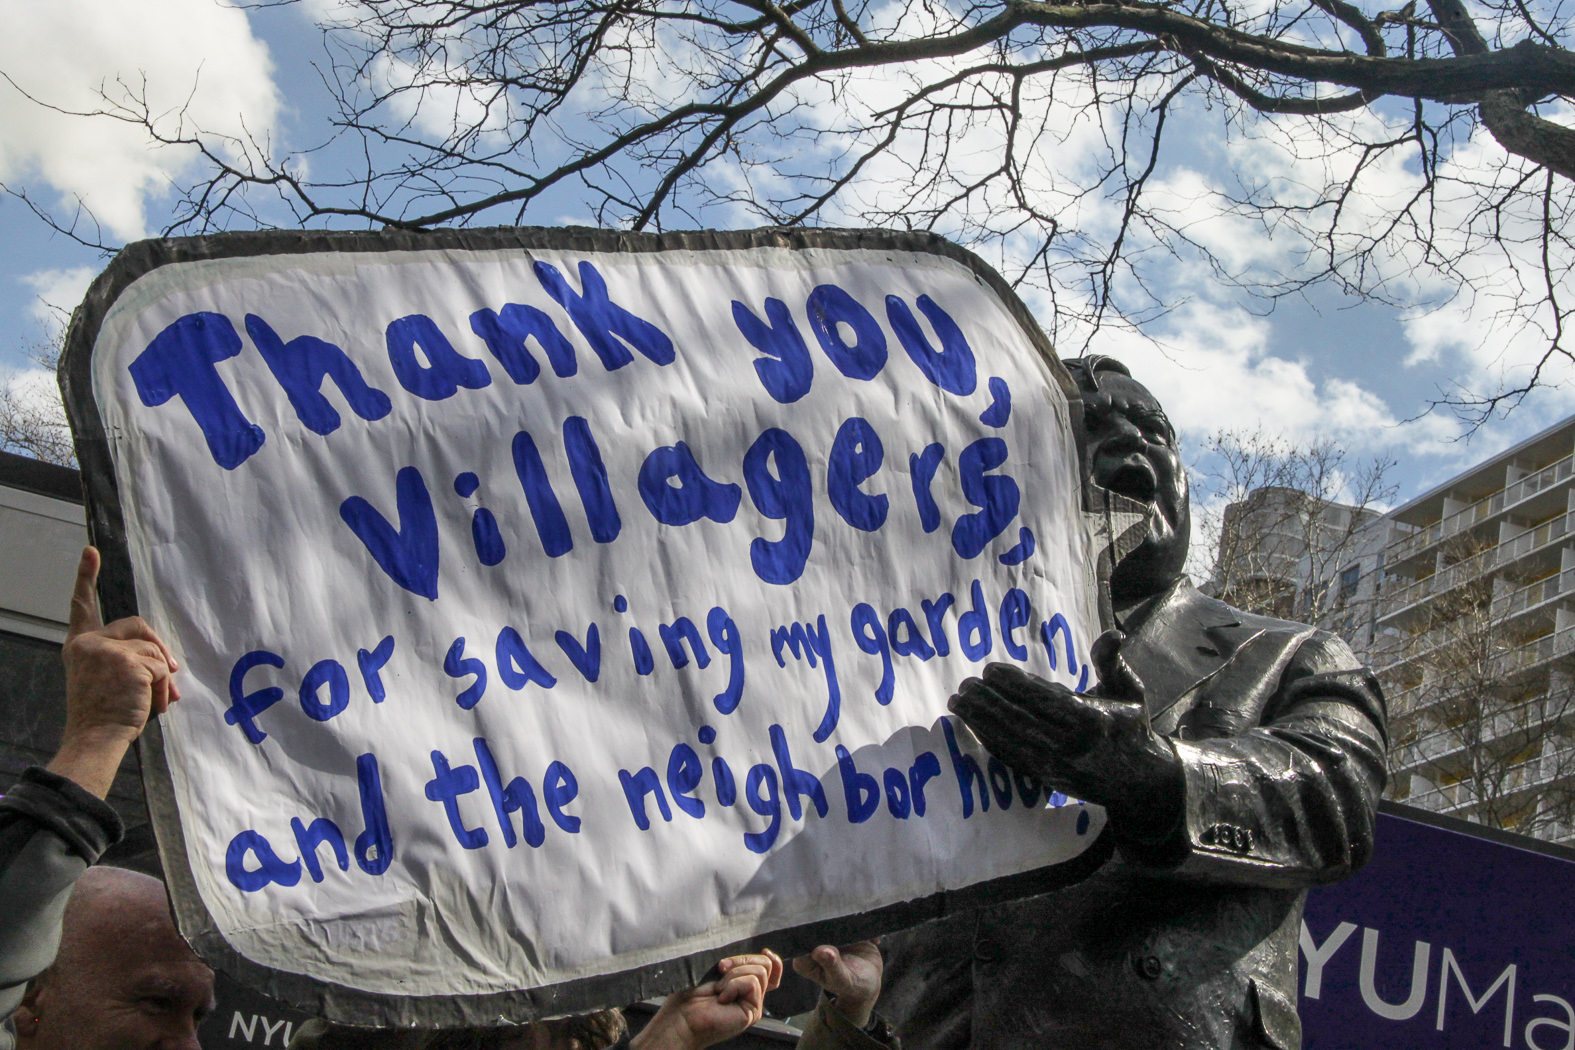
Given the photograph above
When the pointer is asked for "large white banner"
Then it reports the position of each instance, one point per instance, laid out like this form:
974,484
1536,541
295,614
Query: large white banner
546,614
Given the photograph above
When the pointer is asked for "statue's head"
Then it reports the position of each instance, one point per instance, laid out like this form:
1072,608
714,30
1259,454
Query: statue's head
1131,450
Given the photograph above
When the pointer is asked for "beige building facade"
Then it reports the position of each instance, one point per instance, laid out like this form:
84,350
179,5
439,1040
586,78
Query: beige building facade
1463,602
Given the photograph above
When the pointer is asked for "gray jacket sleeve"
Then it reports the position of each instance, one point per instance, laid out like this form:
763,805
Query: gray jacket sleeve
50,831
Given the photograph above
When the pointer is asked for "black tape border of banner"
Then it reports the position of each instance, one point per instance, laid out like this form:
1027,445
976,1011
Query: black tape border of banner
1497,836
117,595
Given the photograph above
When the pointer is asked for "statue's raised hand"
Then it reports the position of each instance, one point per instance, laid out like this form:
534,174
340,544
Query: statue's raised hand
1094,748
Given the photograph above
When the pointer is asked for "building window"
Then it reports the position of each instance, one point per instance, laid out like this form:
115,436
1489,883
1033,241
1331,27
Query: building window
1348,581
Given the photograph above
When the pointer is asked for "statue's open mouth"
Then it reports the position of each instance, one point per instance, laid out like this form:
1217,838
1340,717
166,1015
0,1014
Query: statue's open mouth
1135,481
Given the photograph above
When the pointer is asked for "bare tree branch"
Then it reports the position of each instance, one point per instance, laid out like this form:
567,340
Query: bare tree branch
1044,132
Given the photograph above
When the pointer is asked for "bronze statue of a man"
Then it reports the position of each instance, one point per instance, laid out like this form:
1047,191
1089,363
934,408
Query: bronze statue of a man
1240,760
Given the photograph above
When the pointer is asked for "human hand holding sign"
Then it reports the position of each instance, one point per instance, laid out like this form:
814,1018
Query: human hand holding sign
851,974
117,677
714,1011
1094,746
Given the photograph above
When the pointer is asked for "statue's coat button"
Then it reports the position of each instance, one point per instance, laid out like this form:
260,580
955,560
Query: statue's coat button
1148,966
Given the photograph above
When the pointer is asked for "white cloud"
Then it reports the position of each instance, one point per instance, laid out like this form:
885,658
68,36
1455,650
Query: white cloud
1213,368
57,293
1470,265
1211,363
439,101
1499,323
35,391
196,61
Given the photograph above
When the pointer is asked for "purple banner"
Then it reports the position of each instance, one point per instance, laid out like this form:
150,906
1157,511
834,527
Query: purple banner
1453,936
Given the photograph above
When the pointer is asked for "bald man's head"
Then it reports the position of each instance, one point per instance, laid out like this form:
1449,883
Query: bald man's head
123,980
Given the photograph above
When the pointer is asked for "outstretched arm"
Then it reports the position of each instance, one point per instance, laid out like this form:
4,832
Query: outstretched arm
53,822
1292,802
1099,748
1290,799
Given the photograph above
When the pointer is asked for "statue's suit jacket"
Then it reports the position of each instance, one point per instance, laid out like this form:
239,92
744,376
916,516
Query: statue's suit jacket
1190,942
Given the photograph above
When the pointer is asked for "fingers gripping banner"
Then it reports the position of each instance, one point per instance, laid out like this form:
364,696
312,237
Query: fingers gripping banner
553,606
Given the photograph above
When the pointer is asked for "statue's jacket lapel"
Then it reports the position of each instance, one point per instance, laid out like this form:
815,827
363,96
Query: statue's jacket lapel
1207,669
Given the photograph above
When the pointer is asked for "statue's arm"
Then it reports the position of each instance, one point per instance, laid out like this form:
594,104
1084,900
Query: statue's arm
1293,801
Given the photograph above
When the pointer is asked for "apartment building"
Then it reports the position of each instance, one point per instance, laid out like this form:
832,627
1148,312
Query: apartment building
1473,618
1285,553
1463,602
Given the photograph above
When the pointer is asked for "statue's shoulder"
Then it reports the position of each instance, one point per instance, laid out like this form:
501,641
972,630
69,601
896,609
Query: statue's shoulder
1213,613
1314,644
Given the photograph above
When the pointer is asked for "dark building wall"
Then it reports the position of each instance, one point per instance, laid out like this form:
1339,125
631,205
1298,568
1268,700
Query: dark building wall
32,702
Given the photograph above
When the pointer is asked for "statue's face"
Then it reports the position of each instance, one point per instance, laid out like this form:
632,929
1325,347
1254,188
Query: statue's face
1132,451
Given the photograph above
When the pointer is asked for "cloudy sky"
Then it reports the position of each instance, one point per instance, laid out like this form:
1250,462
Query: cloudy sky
1319,367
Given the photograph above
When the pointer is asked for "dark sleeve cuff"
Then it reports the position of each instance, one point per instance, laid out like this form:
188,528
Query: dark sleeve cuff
89,825
830,1029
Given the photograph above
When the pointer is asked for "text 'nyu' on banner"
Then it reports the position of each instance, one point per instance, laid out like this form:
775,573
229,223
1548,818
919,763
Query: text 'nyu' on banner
558,608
